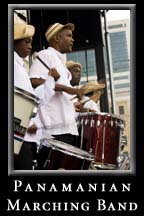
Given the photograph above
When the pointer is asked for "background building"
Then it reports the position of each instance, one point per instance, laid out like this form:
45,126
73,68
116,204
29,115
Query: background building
120,49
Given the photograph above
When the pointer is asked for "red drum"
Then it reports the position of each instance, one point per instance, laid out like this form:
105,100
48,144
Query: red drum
99,134
54,155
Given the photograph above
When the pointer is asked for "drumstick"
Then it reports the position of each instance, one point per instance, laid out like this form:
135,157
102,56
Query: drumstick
74,97
83,102
42,62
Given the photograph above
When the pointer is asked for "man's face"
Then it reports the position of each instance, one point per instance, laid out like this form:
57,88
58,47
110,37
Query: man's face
23,47
76,75
66,40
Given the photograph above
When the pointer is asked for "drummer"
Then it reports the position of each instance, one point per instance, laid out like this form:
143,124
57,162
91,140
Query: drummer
58,113
90,89
23,35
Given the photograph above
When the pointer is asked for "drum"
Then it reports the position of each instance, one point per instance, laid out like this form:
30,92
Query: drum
25,107
54,155
99,134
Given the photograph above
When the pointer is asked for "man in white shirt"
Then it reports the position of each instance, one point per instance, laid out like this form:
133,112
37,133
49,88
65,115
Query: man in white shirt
75,69
23,34
88,102
57,111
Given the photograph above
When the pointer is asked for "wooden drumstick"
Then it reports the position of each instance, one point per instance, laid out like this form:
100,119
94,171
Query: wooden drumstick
74,97
83,102
42,62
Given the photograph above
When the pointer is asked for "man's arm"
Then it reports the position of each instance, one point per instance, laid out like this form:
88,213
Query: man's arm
36,82
39,81
69,90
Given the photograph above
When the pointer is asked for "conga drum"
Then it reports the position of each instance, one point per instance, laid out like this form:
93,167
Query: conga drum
25,107
99,134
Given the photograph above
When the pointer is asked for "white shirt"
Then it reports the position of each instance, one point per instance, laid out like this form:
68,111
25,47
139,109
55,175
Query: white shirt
22,81
90,104
21,78
56,110
39,92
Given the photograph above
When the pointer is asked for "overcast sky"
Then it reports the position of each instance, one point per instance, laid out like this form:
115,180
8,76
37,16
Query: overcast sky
118,14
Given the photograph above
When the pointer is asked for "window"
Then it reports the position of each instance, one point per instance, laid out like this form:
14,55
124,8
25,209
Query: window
121,110
115,26
119,49
122,85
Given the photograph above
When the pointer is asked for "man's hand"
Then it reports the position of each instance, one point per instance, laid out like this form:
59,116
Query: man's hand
78,106
53,72
32,129
79,93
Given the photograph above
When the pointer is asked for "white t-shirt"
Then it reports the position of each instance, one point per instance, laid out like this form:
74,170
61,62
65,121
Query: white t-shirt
56,110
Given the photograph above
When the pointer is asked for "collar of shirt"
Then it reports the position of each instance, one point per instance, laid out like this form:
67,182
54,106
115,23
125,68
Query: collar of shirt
60,55
18,59
62,59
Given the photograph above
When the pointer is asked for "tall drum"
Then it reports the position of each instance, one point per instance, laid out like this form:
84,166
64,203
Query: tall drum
25,107
100,133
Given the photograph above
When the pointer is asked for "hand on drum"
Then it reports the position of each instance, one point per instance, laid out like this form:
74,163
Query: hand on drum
32,129
78,106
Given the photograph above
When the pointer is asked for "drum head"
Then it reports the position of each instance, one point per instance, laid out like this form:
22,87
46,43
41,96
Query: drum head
67,148
26,94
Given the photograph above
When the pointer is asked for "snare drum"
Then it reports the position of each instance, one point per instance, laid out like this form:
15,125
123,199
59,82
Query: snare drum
99,133
25,107
54,155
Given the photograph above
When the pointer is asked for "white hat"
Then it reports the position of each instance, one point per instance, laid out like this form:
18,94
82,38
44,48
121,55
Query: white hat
70,64
55,28
92,87
22,30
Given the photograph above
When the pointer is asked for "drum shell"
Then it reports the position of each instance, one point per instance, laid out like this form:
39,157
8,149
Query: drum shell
53,158
25,107
101,136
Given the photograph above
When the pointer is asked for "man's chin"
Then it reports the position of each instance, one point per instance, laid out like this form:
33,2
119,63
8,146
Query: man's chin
70,49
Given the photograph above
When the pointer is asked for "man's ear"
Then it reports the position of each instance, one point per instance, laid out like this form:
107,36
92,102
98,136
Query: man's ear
56,38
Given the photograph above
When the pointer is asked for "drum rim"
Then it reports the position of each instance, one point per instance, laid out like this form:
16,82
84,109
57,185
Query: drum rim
54,146
19,138
27,94
104,114
108,166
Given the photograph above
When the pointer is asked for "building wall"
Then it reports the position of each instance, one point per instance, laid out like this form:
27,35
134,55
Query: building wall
125,103
120,47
